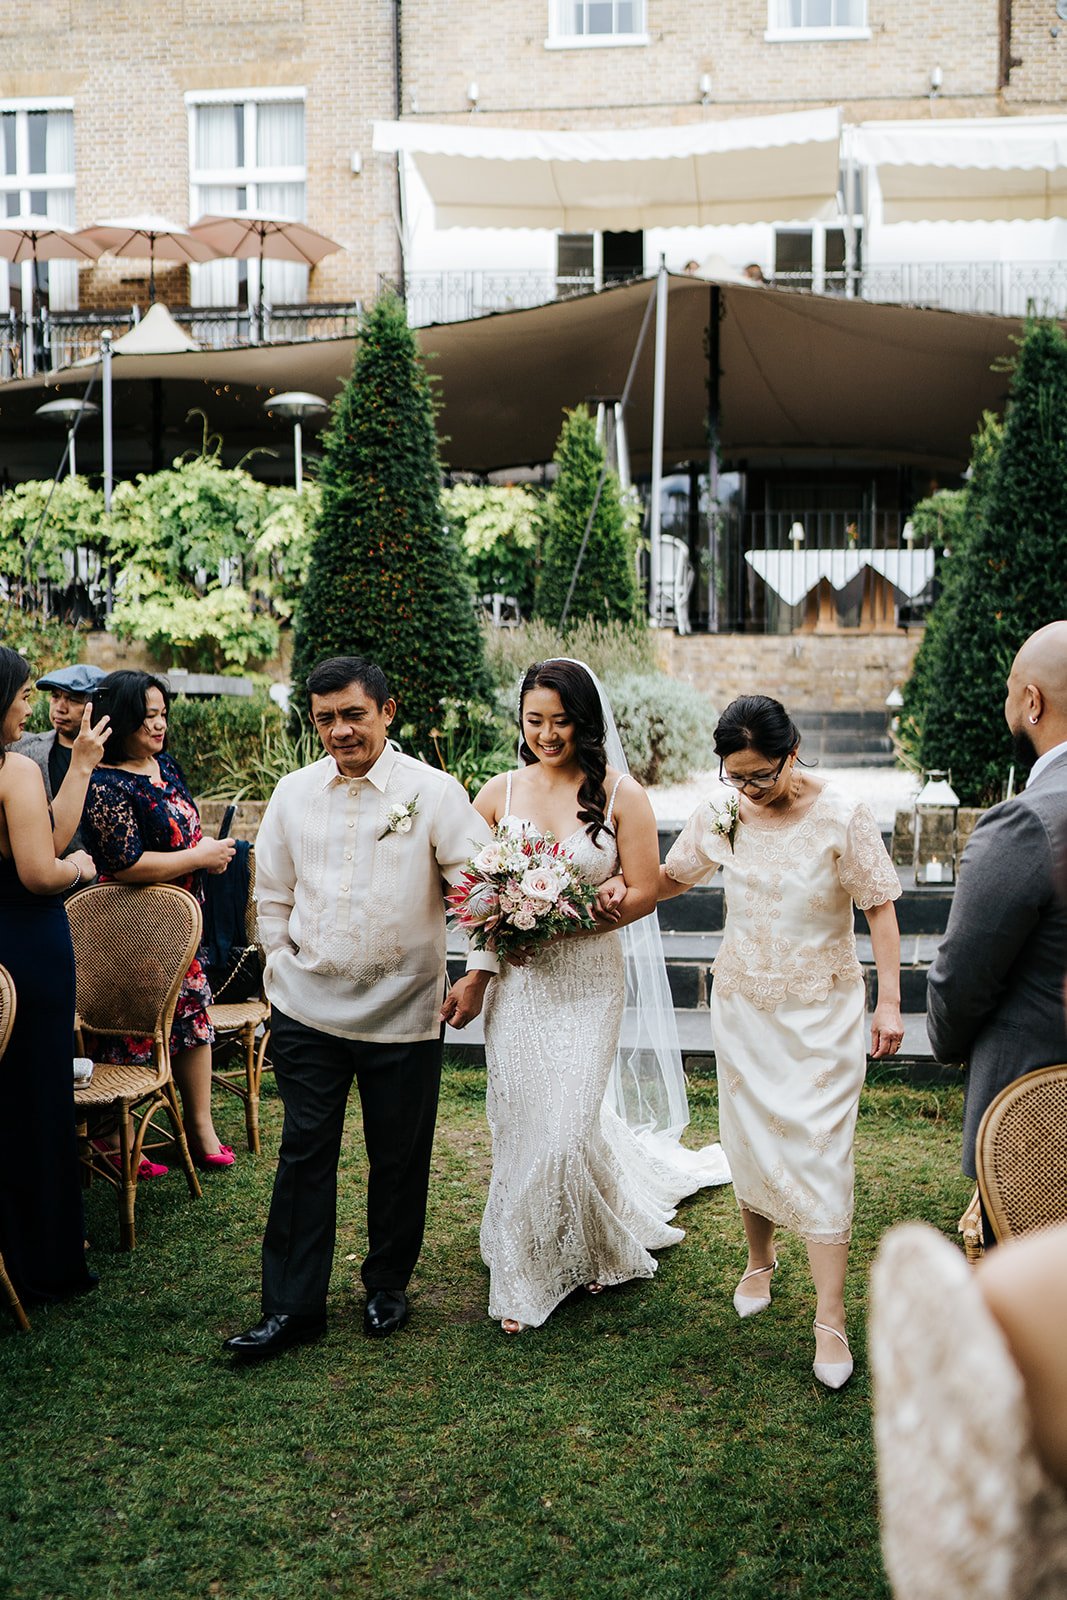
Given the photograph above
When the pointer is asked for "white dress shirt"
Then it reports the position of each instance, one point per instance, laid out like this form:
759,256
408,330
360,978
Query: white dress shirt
1046,761
353,923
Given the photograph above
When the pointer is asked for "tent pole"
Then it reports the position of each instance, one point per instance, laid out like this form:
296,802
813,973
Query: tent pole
714,375
655,611
109,452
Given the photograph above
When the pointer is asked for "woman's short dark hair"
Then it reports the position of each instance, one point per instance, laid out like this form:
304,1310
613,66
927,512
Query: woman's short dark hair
756,722
581,702
123,696
14,671
337,672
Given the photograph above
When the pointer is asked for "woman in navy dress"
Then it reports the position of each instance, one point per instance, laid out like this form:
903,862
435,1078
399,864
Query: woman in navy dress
42,1231
142,826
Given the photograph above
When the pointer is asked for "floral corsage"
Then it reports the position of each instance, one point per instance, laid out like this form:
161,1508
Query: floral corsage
400,818
726,818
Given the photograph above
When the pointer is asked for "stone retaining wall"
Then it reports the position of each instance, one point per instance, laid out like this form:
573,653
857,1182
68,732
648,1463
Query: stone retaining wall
807,672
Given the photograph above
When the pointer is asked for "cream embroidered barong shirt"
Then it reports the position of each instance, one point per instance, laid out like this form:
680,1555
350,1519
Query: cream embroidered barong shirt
352,923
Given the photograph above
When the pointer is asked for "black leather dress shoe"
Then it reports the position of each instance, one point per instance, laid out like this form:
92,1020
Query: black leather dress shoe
278,1331
386,1311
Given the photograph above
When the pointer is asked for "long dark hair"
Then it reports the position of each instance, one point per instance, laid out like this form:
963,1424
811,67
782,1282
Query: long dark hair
756,722
14,672
124,696
581,702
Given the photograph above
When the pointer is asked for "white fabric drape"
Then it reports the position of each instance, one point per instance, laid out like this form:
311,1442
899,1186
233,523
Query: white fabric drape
285,283
215,283
280,143
59,162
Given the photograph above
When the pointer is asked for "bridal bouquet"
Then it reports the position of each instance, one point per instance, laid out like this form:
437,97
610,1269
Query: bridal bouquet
520,891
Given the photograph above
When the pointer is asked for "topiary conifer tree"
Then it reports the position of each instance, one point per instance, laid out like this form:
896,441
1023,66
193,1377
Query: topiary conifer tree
386,578
1012,576
606,589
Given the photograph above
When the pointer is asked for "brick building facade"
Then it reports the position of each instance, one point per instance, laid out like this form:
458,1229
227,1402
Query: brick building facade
129,71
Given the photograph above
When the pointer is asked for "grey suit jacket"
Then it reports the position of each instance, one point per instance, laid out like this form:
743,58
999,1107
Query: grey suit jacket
995,990
38,746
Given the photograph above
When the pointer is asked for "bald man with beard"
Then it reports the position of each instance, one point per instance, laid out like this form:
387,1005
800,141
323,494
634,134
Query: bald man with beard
995,991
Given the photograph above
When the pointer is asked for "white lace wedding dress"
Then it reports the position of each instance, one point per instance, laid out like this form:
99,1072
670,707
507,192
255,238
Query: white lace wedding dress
575,1197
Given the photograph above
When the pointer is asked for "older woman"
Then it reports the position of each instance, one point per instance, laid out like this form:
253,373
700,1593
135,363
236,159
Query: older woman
788,1000
42,1236
142,826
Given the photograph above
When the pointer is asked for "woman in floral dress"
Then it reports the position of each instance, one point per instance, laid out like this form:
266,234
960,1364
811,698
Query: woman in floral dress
788,1000
141,826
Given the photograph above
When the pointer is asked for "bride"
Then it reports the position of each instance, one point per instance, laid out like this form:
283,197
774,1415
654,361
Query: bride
587,1167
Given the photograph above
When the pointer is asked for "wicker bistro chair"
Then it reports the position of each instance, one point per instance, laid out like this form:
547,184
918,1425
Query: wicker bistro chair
132,948
1021,1154
7,1022
237,1023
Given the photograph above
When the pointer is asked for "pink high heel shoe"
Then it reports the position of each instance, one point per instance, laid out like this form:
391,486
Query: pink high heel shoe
225,1158
146,1169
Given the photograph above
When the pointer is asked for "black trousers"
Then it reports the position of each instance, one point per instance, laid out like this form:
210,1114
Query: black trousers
398,1089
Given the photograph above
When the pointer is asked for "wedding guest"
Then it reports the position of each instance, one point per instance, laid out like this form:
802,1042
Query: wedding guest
353,858
42,1235
70,691
579,1195
142,826
787,1007
994,989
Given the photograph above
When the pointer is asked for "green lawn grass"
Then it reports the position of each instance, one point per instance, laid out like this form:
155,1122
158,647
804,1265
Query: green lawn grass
643,1445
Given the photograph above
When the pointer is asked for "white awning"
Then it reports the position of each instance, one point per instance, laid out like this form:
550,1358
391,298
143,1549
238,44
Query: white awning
1000,169
747,169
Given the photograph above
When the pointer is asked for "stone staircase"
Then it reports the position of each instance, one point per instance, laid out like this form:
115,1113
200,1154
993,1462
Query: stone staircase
845,738
692,926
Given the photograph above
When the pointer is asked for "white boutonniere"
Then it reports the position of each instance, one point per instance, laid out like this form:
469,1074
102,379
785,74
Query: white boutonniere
400,818
726,817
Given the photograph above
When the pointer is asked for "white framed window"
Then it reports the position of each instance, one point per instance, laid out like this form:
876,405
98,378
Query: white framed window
37,176
247,153
583,23
817,19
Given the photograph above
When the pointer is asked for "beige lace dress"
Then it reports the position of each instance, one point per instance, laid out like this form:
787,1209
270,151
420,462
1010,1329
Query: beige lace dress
787,1004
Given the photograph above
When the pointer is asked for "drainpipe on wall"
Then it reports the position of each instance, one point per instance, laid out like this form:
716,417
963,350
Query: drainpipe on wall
398,107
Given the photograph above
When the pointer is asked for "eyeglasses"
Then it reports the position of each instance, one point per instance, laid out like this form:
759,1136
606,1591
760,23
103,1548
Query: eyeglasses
758,781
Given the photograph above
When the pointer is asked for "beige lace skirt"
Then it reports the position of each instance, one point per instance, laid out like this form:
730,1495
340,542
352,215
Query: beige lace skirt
789,1088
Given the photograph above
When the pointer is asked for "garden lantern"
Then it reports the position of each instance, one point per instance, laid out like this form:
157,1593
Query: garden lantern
937,807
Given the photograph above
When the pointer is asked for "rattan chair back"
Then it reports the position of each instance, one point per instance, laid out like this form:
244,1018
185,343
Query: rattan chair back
1021,1154
7,1008
132,947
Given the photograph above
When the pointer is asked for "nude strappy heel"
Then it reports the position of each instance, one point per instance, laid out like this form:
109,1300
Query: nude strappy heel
747,1305
833,1374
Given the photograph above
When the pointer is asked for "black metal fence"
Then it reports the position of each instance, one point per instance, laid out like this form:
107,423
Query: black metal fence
813,570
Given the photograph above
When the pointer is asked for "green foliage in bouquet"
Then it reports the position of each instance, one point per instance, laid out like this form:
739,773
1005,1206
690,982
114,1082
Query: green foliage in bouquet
386,577
606,588
1012,576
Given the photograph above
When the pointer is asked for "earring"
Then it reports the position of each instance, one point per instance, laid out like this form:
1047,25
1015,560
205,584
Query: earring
1033,720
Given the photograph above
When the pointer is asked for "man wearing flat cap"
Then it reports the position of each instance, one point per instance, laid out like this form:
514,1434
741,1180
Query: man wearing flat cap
70,689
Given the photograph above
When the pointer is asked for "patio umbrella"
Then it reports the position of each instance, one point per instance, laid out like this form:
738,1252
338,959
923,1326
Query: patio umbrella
251,234
154,238
32,238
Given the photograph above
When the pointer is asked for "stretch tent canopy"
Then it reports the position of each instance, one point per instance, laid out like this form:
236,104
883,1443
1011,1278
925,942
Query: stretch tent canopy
1000,169
804,378
747,169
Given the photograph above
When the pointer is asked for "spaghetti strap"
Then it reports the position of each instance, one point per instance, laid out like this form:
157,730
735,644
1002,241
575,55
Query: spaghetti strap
507,797
611,802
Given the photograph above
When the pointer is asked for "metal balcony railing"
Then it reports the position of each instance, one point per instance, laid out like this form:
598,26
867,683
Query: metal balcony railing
1001,288
61,338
